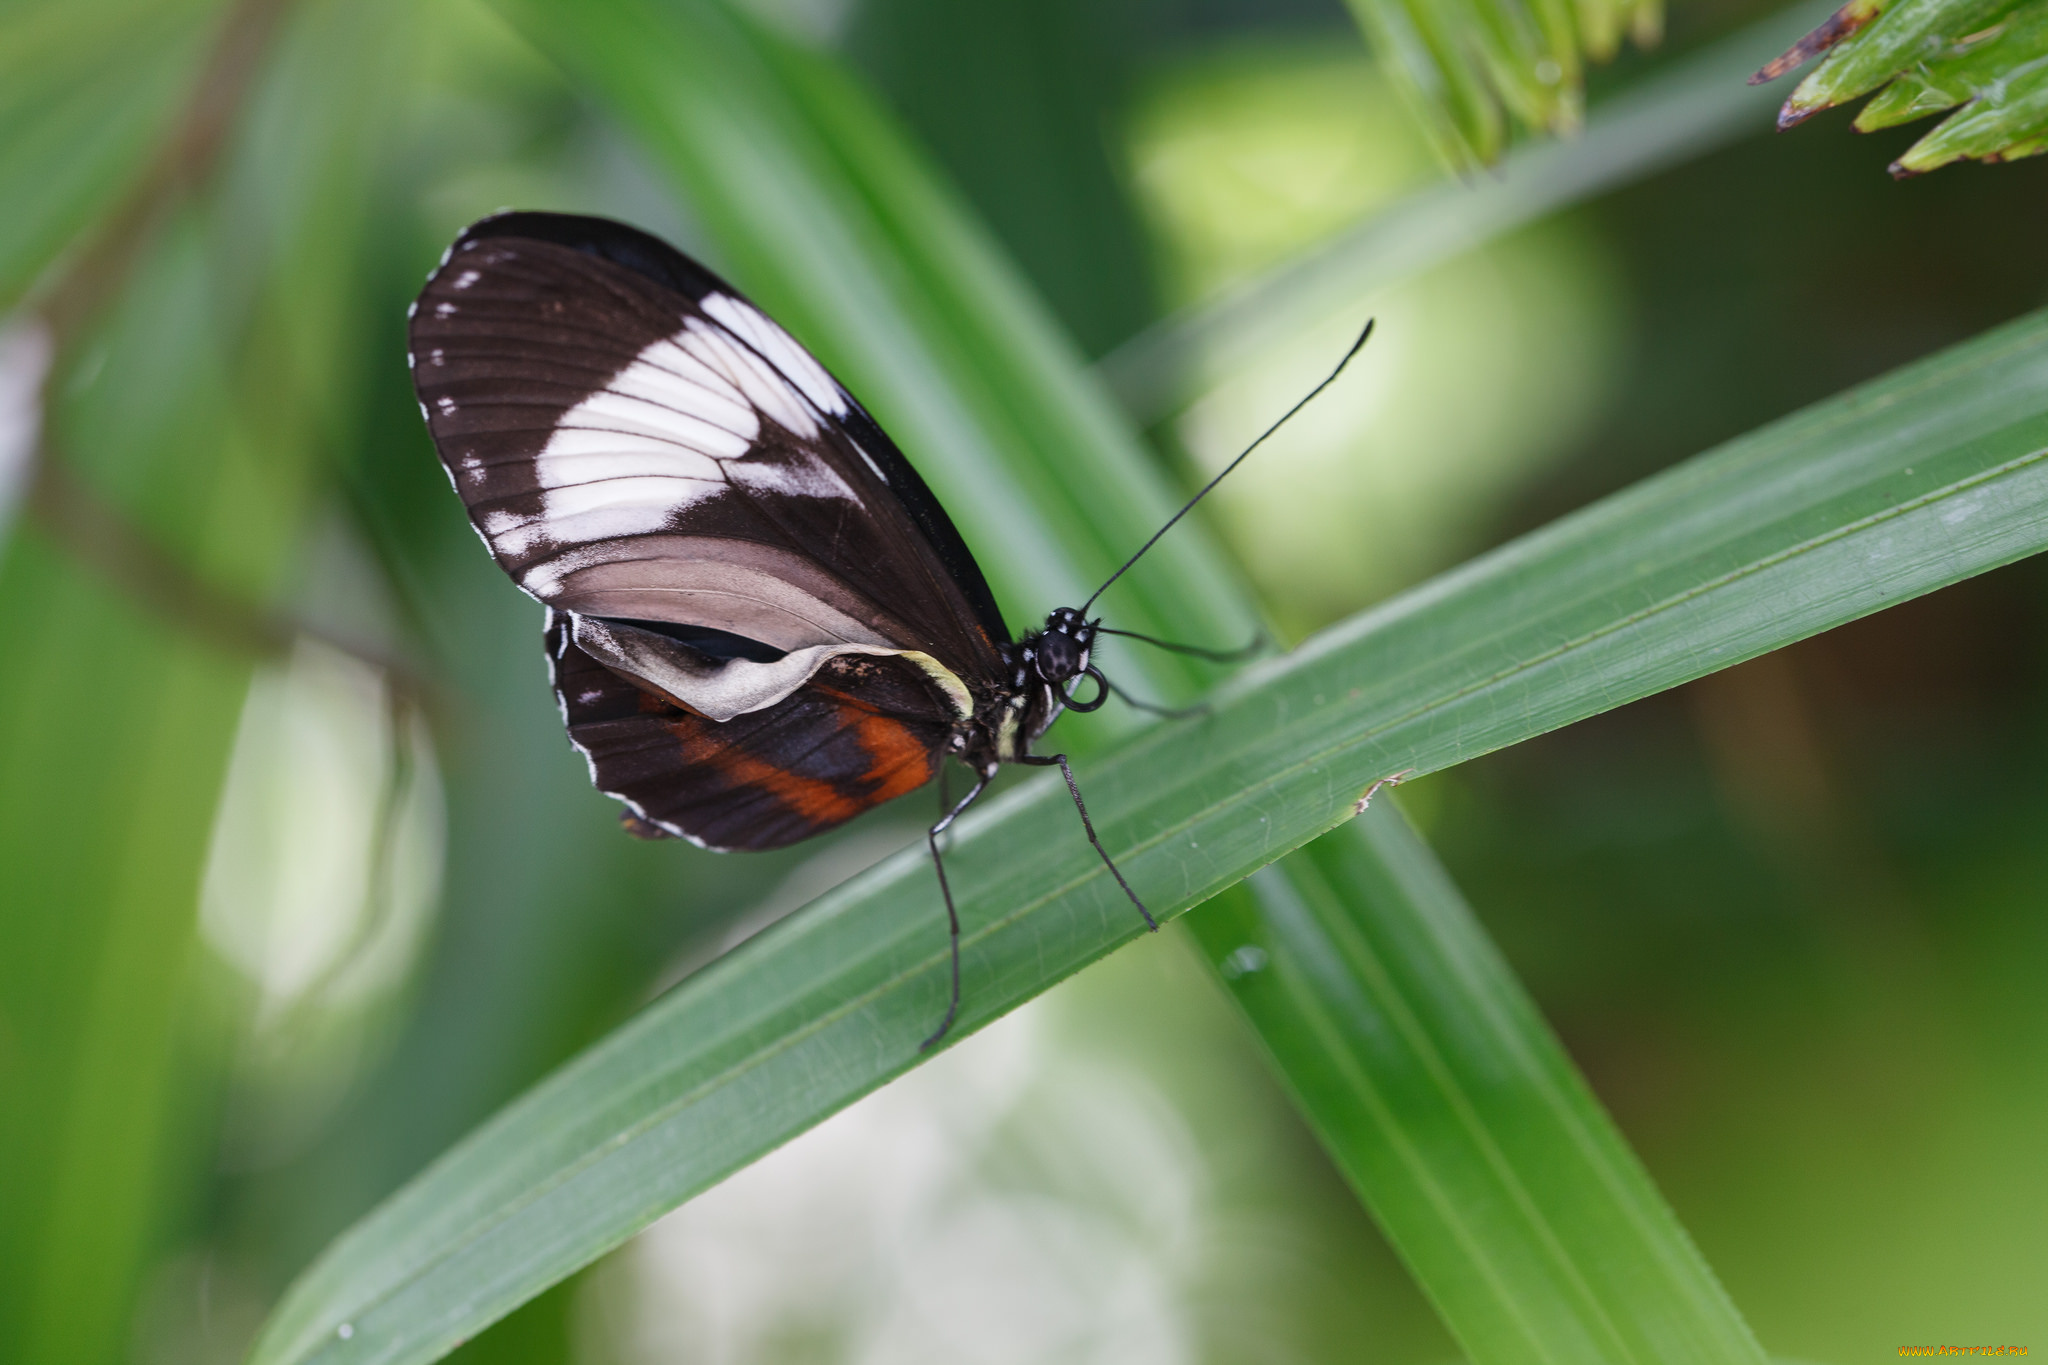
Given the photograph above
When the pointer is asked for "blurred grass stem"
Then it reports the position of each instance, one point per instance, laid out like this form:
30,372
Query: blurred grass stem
188,154
61,503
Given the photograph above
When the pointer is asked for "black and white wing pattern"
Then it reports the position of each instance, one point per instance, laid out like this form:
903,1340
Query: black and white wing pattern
714,522
638,443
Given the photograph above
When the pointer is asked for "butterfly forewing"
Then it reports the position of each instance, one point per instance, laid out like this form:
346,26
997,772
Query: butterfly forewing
634,439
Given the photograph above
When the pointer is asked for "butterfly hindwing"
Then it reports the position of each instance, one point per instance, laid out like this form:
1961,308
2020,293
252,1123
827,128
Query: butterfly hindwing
863,730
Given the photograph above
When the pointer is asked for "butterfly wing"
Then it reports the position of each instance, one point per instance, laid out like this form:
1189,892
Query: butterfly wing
762,621
638,444
863,730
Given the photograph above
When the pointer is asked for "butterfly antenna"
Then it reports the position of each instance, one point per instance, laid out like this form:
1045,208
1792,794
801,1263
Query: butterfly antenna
1188,506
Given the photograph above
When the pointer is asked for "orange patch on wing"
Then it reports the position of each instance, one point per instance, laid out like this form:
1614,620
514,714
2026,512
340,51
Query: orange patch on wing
901,763
817,801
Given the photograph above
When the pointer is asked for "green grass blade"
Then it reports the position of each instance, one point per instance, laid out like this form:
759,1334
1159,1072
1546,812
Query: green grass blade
1435,1085
1420,53
1903,35
2004,125
1930,475
1977,70
1924,56
1476,70
85,92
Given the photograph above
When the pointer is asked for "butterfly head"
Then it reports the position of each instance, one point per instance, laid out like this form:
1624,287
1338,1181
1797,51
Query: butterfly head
1044,664
1060,653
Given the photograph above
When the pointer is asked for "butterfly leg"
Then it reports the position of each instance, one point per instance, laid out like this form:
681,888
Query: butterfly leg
1047,761
952,916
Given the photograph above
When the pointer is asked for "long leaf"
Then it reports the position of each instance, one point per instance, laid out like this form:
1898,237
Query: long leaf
1930,475
1435,1085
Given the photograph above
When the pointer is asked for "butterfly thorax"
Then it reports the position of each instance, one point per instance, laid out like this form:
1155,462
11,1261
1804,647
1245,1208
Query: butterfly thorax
1031,690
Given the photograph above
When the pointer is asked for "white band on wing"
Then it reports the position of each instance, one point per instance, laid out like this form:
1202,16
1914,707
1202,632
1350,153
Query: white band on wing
723,688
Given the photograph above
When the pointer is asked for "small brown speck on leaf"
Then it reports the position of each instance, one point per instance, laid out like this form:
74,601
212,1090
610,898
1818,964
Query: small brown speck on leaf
1365,797
1833,29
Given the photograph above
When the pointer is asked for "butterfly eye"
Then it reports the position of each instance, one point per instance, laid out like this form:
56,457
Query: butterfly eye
1059,658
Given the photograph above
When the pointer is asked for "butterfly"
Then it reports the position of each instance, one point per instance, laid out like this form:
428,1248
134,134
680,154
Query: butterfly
760,622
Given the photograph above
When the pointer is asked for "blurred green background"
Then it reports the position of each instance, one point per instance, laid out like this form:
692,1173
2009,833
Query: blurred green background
336,908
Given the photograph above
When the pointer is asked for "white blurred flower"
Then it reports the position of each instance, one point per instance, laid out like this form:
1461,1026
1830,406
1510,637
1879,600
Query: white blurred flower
326,851
321,878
